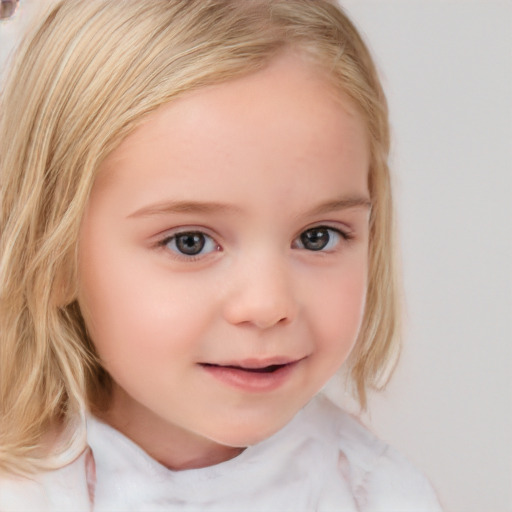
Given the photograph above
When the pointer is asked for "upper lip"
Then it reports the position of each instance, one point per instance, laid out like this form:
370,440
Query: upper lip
255,364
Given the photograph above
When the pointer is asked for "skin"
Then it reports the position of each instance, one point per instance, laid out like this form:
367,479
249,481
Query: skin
279,152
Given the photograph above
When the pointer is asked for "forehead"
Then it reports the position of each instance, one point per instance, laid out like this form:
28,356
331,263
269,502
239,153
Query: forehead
286,119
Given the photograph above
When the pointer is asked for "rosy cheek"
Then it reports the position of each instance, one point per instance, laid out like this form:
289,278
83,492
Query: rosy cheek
341,311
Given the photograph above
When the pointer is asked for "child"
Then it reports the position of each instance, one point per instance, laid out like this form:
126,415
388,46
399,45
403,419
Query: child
196,235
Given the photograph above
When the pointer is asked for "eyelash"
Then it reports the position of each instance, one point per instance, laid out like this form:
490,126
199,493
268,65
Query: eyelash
345,236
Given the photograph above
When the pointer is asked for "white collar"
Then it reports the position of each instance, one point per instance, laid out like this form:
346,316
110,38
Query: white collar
288,471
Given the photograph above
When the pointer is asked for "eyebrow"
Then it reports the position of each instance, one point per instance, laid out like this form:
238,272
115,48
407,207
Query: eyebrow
342,204
168,207
205,207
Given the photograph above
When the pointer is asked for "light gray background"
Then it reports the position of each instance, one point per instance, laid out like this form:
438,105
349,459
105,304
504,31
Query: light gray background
447,70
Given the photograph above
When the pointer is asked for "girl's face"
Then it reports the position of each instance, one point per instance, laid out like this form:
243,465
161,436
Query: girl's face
223,261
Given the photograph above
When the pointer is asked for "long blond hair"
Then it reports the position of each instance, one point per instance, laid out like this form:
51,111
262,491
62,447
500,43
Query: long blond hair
80,82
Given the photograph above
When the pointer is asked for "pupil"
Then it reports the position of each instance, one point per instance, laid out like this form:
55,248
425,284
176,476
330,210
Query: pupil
190,243
315,239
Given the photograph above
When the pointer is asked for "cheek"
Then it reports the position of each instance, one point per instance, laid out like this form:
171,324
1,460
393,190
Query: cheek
339,312
133,310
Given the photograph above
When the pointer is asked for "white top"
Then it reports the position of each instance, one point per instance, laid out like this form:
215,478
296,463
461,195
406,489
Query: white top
323,460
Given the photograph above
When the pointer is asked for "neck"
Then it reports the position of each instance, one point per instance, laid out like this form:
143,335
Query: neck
172,446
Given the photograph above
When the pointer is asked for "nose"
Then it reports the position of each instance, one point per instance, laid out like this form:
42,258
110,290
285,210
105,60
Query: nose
261,294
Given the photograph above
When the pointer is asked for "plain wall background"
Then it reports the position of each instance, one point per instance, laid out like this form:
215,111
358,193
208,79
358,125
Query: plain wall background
447,70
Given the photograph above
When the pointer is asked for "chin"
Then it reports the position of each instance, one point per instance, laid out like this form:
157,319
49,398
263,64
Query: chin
248,433
243,440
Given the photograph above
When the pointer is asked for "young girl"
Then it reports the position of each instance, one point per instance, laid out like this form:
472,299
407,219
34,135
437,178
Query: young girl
196,234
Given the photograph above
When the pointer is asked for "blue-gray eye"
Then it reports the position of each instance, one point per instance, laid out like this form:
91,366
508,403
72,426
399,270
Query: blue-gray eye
319,239
191,243
7,8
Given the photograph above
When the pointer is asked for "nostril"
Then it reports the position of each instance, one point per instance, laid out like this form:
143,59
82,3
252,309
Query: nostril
260,296
260,317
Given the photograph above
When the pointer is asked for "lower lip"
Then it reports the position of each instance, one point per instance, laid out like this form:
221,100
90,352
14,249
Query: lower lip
254,382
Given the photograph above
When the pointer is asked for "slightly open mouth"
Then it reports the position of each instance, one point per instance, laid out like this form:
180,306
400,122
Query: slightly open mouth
266,369
253,376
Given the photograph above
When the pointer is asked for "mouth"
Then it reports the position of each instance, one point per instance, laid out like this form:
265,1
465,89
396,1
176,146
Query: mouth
253,375
271,368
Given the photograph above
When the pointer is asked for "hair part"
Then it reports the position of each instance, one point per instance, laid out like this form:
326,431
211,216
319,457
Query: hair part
90,73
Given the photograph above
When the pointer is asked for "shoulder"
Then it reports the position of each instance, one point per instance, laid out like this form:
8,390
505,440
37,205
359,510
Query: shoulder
21,493
380,478
393,483
60,490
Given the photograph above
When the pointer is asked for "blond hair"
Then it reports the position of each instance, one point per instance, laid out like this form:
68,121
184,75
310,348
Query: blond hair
84,78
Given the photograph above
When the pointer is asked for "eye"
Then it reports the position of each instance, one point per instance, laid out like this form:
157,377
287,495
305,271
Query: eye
190,243
320,238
